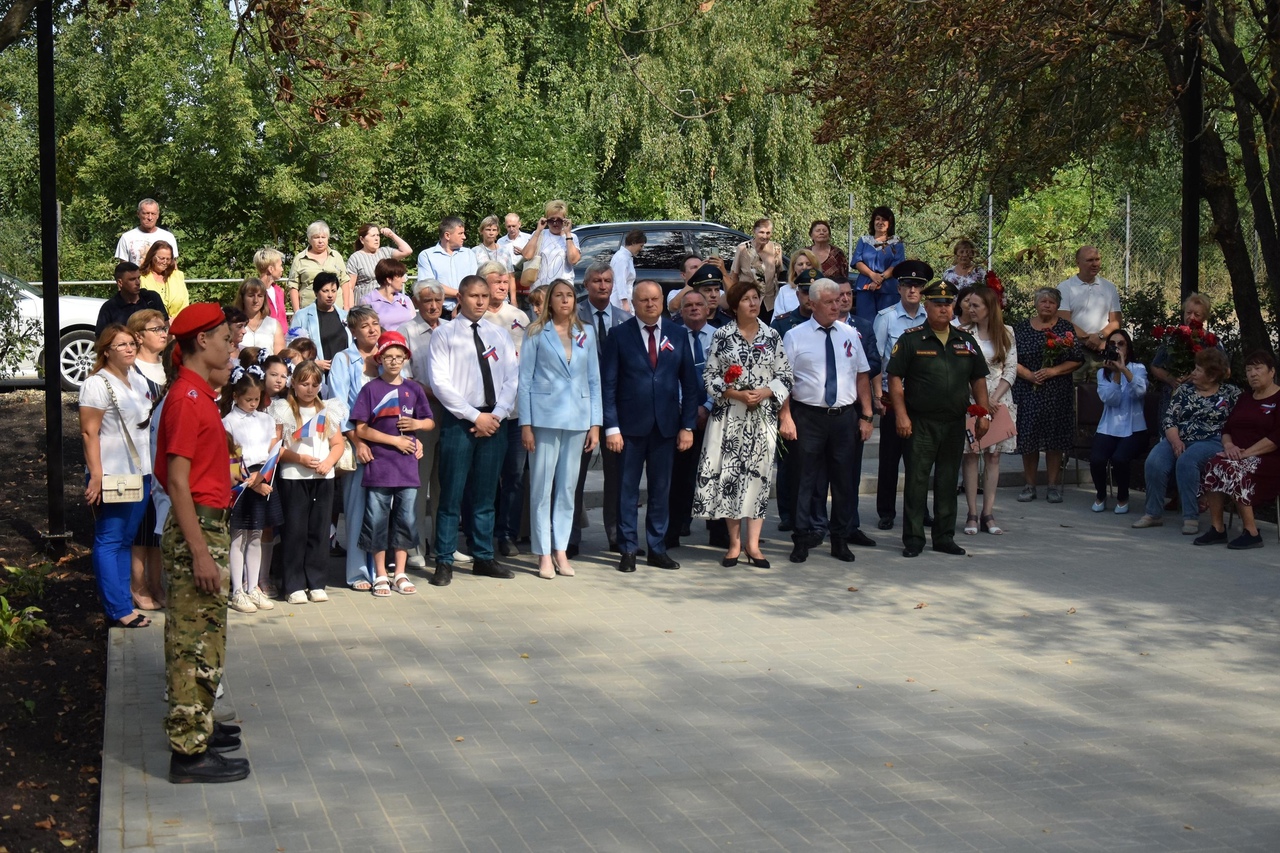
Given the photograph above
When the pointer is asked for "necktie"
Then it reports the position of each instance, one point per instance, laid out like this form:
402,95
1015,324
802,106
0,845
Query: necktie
699,360
600,332
829,387
653,347
486,374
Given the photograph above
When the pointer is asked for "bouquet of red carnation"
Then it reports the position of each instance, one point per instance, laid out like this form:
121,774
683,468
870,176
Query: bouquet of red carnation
1181,343
732,375
993,281
976,411
1056,349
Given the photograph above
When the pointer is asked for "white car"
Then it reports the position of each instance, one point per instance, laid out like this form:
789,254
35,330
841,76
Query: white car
77,317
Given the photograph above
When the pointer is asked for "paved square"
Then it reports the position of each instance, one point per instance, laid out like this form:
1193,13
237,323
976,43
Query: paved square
1073,685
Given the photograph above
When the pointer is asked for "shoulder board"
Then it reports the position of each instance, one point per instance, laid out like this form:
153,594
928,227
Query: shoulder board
913,329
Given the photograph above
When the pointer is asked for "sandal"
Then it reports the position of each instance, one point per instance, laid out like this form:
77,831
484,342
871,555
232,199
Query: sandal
989,525
403,585
971,525
382,587
139,620
362,586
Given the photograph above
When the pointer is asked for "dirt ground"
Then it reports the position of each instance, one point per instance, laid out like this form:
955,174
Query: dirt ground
51,693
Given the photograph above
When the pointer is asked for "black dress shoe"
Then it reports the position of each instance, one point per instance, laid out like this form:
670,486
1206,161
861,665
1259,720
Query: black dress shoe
684,530
912,551
225,728
785,527
443,575
571,551
729,562
758,562
862,540
335,550
507,548
928,520
949,548
662,561
206,767
800,552
841,551
222,742
491,569
885,522
627,563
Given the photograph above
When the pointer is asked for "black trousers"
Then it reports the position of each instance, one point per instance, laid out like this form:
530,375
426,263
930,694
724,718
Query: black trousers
684,475
893,449
824,447
609,462
306,532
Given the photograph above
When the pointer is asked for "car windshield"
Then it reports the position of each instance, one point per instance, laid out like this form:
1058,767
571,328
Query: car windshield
14,281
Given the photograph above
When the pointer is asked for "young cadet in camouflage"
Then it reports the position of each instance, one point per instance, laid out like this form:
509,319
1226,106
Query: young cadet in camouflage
194,466
932,370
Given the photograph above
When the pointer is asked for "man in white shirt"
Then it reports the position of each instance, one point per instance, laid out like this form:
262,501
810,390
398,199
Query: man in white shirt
515,238
473,372
831,398
133,244
449,261
1089,301
623,263
428,296
510,499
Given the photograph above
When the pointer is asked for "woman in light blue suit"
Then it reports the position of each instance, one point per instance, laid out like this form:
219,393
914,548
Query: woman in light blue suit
560,417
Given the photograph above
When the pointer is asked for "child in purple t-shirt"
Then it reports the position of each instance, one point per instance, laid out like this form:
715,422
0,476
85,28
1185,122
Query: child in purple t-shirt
387,413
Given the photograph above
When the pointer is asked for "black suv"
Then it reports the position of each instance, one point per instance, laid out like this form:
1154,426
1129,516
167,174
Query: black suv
668,242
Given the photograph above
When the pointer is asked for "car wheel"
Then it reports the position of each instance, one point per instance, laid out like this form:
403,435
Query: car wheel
75,355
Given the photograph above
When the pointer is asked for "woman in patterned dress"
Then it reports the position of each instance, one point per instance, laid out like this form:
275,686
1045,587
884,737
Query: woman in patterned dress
1043,395
1001,352
736,468
963,272
1248,468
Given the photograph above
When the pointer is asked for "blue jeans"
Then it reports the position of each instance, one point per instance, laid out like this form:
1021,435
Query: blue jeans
114,526
359,561
466,459
1187,468
553,474
389,520
511,487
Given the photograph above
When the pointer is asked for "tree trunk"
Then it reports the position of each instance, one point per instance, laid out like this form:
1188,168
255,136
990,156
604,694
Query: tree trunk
1219,191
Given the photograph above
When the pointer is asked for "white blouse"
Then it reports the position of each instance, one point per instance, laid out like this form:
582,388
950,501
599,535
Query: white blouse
135,405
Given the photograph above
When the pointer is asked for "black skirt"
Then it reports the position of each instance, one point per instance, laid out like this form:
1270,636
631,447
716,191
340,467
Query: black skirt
255,512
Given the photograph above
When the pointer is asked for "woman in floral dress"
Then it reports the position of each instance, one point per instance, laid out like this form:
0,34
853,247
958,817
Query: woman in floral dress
747,377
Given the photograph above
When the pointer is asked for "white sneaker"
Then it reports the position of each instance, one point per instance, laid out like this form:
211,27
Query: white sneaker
1121,509
260,600
242,603
1100,506
459,557
318,595
298,597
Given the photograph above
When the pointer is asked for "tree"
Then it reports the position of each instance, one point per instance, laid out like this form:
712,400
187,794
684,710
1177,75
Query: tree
946,97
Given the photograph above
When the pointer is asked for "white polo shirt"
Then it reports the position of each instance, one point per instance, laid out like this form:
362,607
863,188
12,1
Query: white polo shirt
1090,303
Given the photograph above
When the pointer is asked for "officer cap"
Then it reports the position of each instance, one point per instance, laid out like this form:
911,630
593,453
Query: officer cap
707,274
939,291
197,318
913,272
804,279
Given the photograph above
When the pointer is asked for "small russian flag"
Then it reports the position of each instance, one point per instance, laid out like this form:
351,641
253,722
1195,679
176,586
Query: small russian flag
315,426
848,349
388,406
666,345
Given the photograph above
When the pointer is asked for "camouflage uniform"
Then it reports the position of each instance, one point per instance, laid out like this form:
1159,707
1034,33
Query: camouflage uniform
195,635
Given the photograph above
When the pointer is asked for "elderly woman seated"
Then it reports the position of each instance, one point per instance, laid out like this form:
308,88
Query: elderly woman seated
1248,468
1192,429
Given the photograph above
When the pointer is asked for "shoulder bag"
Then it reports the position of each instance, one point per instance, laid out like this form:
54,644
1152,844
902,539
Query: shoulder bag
122,488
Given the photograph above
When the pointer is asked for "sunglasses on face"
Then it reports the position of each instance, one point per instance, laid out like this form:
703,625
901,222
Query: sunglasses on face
556,221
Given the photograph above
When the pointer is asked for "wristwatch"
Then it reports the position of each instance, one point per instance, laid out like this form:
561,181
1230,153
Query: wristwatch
868,418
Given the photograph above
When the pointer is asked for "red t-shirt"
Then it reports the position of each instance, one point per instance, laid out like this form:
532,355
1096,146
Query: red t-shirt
191,427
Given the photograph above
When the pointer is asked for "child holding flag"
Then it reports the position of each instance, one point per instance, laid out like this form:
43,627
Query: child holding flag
310,430
254,433
387,414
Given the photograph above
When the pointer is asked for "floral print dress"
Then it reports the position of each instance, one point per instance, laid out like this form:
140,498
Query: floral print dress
736,468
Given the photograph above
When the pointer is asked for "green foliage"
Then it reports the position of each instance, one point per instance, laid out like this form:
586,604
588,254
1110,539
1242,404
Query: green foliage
16,332
17,627
28,582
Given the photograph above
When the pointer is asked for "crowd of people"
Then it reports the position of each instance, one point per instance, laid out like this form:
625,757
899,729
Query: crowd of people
227,443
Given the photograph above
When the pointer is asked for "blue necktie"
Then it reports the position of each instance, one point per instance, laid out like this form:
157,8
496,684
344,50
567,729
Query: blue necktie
699,361
829,387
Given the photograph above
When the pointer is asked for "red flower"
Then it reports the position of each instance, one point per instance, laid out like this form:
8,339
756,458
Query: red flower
1210,339
1158,332
977,411
733,374
1195,348
1070,339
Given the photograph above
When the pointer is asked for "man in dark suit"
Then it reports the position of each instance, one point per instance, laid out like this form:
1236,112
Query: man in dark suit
130,297
597,312
650,391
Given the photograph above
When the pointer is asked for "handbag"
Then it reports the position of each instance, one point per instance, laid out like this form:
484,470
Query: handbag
122,488
1000,428
347,461
529,271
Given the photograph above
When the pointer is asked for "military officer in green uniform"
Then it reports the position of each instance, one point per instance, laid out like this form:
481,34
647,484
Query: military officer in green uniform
932,371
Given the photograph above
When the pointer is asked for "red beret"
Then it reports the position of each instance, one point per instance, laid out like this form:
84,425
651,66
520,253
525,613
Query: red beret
392,339
197,318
